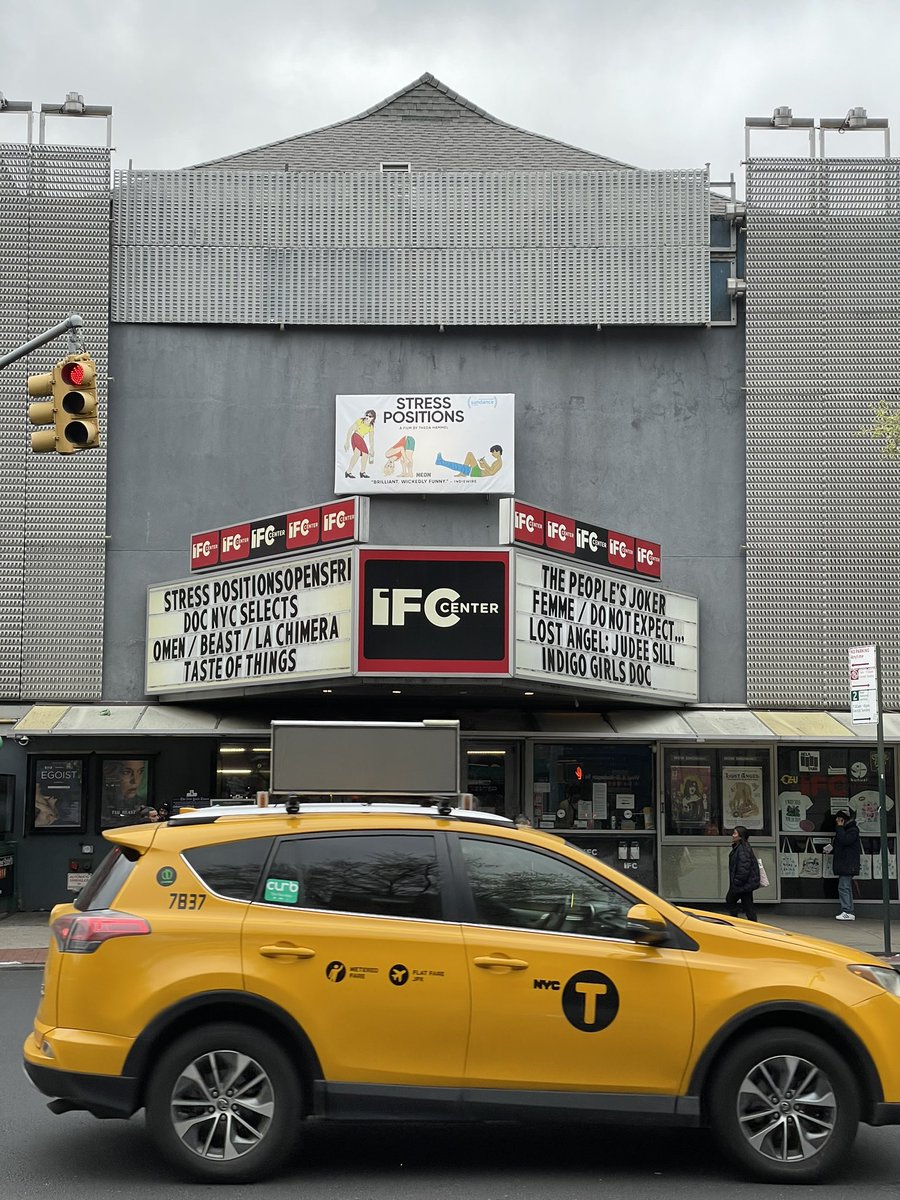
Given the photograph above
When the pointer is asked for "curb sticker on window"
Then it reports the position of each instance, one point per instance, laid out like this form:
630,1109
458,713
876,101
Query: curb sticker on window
282,891
590,1001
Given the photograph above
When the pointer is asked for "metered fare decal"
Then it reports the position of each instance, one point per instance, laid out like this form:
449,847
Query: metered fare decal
287,621
398,975
583,626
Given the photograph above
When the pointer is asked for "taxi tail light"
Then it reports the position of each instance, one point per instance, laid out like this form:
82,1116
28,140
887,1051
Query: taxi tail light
83,933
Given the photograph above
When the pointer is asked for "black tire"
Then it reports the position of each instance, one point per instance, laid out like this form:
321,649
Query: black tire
216,1133
784,1105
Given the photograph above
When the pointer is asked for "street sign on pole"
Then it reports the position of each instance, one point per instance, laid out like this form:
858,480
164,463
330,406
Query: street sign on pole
863,679
864,667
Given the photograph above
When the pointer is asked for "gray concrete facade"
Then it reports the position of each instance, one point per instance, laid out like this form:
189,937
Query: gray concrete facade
640,430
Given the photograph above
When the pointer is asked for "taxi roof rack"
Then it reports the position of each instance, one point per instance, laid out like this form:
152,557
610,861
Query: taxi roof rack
458,806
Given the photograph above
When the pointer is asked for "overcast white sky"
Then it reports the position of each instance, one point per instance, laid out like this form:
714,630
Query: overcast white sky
655,83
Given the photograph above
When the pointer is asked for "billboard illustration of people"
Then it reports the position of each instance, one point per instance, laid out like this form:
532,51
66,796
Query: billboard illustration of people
455,444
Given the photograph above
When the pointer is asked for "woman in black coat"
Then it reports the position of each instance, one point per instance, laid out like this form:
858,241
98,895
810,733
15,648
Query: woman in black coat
845,860
743,874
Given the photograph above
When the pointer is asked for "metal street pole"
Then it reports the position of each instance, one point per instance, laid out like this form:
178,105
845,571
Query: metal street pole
71,325
882,813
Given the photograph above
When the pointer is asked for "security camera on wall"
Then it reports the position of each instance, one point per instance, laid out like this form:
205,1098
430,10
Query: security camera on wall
22,740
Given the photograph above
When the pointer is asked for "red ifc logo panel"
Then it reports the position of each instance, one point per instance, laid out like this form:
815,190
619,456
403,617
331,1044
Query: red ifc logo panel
646,557
620,548
528,524
235,543
337,521
301,529
204,549
559,533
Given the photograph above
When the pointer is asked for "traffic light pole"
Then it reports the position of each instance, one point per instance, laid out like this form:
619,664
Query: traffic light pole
71,325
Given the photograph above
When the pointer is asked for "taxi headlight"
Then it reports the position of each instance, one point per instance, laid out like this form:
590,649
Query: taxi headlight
883,977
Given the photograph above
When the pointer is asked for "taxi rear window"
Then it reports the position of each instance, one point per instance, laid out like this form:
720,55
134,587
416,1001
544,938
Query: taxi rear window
231,869
107,881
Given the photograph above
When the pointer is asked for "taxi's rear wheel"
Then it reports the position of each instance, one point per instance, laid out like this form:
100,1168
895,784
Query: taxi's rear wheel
784,1105
223,1104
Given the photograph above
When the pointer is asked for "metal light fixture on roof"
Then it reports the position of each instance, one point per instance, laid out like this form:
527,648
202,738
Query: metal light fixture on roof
856,118
783,117
74,103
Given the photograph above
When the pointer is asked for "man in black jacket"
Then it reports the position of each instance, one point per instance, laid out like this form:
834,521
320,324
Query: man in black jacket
845,861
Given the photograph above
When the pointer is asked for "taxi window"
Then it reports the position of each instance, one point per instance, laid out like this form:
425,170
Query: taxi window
231,869
526,889
379,874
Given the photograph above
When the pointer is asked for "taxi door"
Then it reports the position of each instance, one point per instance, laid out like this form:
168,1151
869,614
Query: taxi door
348,937
562,999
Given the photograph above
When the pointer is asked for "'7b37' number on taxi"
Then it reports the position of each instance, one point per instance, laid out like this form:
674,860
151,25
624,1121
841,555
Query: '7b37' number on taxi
186,900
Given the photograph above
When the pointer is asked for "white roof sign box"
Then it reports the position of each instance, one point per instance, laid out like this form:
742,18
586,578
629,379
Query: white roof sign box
358,758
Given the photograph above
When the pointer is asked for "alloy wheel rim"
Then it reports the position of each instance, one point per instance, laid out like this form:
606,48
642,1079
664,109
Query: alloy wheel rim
786,1108
222,1105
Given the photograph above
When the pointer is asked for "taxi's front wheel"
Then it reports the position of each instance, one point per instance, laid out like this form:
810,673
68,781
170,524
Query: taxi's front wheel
223,1104
784,1105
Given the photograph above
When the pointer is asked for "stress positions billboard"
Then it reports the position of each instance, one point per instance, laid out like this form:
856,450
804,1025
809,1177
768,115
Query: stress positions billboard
433,612
579,625
290,621
452,445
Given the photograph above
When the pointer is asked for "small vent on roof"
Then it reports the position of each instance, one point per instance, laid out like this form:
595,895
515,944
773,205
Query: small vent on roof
395,166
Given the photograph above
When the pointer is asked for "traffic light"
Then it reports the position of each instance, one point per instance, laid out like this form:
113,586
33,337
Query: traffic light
72,410
44,413
76,416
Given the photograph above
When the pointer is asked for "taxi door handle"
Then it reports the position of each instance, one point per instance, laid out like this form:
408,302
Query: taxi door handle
285,951
500,960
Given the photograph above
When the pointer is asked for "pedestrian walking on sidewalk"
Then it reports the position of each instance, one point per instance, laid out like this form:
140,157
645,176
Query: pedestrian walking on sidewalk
845,860
743,874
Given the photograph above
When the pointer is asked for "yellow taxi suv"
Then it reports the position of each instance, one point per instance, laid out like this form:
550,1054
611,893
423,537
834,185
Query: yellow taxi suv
240,973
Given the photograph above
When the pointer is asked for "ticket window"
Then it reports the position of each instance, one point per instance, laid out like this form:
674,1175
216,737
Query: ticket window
491,774
592,787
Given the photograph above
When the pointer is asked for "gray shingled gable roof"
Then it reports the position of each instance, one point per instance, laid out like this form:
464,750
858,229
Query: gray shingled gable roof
427,125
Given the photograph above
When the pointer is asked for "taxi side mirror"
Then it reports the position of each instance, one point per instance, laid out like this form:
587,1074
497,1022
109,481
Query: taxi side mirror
646,925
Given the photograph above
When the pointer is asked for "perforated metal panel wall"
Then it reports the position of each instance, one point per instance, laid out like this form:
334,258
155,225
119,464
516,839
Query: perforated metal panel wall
54,261
364,248
823,503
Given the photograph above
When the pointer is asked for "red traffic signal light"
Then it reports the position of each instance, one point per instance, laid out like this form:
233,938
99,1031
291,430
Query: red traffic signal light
72,373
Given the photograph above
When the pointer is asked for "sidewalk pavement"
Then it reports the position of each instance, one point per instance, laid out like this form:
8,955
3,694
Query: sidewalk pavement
24,937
